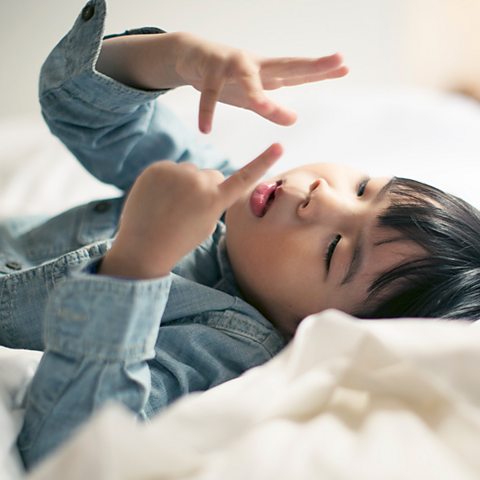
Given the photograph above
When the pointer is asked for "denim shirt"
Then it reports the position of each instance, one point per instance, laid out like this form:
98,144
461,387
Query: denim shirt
144,343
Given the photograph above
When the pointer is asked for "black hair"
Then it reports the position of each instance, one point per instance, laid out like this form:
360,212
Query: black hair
443,283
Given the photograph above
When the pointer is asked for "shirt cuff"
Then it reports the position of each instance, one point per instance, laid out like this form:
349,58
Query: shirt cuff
136,31
105,318
71,65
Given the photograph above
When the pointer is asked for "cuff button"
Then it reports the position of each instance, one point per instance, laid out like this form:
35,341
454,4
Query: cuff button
102,207
88,12
13,265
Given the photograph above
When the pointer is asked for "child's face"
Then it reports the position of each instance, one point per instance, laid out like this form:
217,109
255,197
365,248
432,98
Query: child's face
291,257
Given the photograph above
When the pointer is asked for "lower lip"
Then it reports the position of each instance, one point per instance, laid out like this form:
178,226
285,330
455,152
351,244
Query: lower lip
259,198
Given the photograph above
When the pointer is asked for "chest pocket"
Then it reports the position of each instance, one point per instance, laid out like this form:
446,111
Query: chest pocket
71,230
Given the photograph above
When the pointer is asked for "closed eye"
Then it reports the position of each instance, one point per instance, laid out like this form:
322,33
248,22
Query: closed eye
362,186
330,250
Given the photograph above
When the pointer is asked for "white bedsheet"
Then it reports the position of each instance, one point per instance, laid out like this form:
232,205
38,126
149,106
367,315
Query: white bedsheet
347,399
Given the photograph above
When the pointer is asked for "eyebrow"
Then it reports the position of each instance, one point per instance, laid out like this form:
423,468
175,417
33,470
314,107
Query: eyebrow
359,249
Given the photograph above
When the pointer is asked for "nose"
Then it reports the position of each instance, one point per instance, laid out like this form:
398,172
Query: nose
327,205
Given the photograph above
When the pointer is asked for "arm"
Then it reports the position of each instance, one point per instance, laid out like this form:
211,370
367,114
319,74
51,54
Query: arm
100,332
99,335
98,97
113,129
171,209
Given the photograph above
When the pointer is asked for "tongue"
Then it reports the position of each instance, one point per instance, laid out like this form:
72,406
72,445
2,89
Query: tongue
259,198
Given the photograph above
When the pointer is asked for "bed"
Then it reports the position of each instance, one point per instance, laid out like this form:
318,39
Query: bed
346,399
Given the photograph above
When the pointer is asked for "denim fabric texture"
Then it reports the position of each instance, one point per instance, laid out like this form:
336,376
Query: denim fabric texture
143,343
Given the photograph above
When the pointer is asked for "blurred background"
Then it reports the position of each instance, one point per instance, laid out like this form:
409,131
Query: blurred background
408,107
433,43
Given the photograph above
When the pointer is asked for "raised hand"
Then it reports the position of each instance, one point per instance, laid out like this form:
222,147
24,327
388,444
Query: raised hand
239,78
172,208
219,72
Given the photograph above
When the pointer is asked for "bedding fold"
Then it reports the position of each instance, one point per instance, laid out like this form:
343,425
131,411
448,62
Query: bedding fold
346,399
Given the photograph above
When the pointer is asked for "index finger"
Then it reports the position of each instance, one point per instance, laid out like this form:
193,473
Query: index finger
234,186
212,86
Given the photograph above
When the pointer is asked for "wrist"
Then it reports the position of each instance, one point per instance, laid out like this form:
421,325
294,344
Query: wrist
145,61
117,264
156,66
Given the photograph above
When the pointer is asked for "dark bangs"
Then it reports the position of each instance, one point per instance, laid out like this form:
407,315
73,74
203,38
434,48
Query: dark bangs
446,281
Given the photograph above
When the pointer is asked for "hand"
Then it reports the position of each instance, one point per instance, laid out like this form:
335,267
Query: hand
172,208
238,78
219,72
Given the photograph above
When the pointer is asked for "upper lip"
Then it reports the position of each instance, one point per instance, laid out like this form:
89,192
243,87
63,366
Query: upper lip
262,197
271,196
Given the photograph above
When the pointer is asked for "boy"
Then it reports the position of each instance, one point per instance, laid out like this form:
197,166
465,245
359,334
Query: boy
178,302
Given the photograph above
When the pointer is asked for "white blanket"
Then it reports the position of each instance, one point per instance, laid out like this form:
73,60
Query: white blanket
348,399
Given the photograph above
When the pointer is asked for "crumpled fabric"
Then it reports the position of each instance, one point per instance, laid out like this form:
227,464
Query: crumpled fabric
17,368
348,398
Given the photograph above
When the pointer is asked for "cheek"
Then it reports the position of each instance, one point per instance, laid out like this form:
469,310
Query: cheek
348,298
270,260
257,249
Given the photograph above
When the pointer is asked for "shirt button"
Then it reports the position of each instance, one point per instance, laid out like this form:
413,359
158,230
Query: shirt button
13,265
87,12
102,207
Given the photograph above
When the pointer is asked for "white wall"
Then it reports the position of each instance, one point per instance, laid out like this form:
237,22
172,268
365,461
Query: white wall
370,33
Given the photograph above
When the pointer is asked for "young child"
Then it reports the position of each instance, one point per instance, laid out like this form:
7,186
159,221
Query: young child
144,298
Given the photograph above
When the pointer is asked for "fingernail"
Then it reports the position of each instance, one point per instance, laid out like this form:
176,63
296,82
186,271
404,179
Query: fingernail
204,126
276,149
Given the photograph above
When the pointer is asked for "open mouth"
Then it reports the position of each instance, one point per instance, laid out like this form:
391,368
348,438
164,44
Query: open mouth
263,197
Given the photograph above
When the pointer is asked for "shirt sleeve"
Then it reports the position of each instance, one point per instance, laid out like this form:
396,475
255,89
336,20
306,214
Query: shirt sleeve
114,130
100,333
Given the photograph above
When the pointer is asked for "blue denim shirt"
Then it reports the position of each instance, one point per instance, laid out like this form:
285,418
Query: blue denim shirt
144,343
